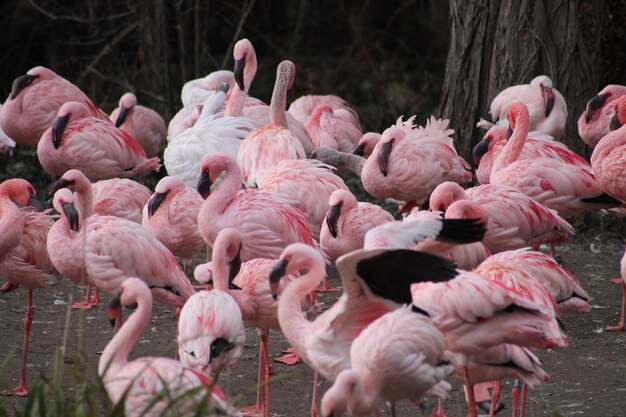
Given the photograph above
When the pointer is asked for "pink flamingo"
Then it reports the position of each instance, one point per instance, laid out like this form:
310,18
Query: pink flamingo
302,107
247,283
514,219
274,142
546,105
594,123
365,145
538,145
23,256
33,104
398,356
324,344
566,188
145,125
96,147
267,223
151,386
407,163
171,215
347,222
621,281
327,128
307,184
607,159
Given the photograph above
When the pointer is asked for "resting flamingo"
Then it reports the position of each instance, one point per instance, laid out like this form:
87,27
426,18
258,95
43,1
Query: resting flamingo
171,215
594,123
96,147
365,145
566,188
407,163
145,125
302,107
23,256
34,102
151,386
327,128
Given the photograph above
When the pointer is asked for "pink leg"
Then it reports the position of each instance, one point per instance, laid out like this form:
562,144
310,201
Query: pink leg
440,411
258,409
515,395
21,389
471,402
291,357
8,287
620,326
495,399
523,402
326,287
552,250
88,303
267,380
314,395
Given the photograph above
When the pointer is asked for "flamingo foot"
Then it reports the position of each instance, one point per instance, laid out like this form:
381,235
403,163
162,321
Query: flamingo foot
617,281
619,328
8,287
83,305
253,411
20,391
290,357
326,287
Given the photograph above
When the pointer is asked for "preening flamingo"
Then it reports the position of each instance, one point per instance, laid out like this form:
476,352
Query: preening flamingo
34,102
145,125
346,223
152,386
24,259
327,128
594,123
77,140
302,107
566,188
408,163
365,145
171,215
398,356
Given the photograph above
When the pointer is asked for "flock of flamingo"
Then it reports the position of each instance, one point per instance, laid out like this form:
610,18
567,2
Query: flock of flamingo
458,291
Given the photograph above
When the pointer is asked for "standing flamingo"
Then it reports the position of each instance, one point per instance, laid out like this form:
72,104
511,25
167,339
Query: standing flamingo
327,128
96,147
23,256
145,125
302,107
34,102
152,386
594,123
266,146
566,188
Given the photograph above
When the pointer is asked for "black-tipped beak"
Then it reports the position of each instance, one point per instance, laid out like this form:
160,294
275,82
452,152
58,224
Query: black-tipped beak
509,132
155,201
548,98
56,186
480,149
220,346
223,88
332,217
21,83
58,127
34,202
383,157
204,185
278,271
489,117
114,309
121,116
235,265
594,105
72,215
359,150
240,64
615,123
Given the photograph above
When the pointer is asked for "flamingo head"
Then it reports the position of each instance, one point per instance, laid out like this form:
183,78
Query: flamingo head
366,144
593,105
127,102
466,209
244,56
335,400
21,192
129,292
517,112
332,217
444,195
64,203
297,257
70,111
73,179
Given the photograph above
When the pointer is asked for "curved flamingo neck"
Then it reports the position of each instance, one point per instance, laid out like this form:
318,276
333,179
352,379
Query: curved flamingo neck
360,401
278,115
11,225
220,266
516,142
84,198
115,354
224,193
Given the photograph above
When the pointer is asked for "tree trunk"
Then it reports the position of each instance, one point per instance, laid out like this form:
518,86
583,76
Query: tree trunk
495,44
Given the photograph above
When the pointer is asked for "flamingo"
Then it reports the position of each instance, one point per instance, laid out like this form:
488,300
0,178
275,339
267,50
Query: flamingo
327,128
407,163
274,142
621,281
514,219
171,215
400,355
594,122
24,259
607,159
248,285
347,221
365,145
324,344
152,386
145,125
546,105
302,107
198,90
210,134
563,187
538,145
266,222
307,184
34,102
96,147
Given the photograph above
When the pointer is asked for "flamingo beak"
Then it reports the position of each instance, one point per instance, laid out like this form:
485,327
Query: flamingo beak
240,64
204,185
220,346
383,157
594,105
223,88
359,150
479,150
121,116
548,98
155,201
72,215
21,83
58,127
278,271
56,186
509,132
615,123
235,265
34,202
332,217
114,309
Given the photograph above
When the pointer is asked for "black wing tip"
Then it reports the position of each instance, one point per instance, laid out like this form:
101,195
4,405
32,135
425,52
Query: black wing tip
603,198
462,231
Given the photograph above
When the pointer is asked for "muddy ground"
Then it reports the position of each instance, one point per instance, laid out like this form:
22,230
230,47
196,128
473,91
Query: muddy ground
587,379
